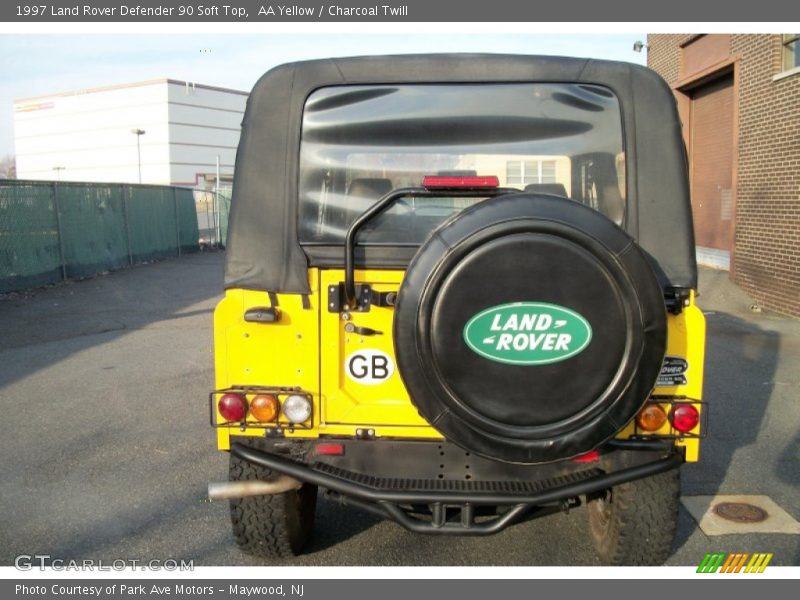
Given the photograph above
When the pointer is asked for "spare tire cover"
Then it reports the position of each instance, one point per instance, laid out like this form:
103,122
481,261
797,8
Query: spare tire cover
529,328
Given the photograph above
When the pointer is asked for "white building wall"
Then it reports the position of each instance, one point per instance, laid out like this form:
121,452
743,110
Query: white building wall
86,135
204,123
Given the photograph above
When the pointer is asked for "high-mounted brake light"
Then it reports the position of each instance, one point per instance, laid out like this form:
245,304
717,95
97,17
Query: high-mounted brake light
447,182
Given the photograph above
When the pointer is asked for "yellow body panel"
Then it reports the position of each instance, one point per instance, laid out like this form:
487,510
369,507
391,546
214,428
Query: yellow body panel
280,354
346,399
309,348
686,337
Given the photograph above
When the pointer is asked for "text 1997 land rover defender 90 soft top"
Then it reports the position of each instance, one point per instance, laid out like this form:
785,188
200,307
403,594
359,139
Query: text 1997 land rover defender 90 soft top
460,295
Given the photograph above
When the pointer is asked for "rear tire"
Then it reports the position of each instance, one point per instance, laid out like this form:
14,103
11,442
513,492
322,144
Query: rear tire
276,526
634,523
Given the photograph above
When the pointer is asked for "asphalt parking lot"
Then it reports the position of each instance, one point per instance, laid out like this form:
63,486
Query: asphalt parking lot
107,450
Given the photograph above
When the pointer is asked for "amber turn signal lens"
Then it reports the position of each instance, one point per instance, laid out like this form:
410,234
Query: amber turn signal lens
651,417
264,407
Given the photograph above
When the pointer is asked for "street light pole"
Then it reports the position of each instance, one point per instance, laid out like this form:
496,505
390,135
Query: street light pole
138,133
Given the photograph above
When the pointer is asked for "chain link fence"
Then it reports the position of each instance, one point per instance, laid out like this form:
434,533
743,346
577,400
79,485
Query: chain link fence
213,208
51,231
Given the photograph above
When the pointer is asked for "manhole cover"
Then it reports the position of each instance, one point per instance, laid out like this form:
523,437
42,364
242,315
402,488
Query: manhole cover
740,512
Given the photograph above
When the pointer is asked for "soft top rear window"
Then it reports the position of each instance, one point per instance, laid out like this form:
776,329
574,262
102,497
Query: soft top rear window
360,142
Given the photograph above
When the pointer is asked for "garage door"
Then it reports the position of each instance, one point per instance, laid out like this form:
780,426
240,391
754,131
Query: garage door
711,158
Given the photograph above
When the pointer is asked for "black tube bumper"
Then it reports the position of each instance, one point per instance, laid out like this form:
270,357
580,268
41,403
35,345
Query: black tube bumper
452,505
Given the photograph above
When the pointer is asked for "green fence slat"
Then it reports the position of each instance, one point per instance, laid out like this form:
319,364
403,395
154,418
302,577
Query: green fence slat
93,229
224,211
187,213
94,232
29,254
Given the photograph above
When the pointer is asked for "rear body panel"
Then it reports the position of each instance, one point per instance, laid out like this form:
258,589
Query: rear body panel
310,349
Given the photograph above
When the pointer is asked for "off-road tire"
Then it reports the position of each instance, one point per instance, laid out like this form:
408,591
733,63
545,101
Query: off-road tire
634,523
277,526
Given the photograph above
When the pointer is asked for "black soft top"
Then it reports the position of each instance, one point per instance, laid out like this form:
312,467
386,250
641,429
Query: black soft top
263,252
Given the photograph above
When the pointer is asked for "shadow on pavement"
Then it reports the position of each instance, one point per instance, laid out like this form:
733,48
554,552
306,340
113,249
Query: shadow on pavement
114,304
743,352
102,386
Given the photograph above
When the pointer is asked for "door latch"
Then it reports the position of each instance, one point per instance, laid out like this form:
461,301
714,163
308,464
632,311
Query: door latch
351,328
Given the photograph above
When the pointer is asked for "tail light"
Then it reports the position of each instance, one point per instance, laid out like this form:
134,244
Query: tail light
651,417
232,407
264,407
589,457
297,409
448,182
330,449
684,417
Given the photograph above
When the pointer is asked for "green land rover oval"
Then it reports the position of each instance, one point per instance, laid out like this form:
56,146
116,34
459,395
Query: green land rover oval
528,333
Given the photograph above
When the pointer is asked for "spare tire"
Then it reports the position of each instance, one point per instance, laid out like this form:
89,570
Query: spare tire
529,328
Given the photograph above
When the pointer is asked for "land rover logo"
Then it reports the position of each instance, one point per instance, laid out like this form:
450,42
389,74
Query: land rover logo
527,333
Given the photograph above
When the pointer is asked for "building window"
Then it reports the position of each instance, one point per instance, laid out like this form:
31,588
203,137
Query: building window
523,172
791,51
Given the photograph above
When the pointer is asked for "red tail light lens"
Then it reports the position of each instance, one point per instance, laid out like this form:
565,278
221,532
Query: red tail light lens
684,417
448,182
232,407
330,449
591,456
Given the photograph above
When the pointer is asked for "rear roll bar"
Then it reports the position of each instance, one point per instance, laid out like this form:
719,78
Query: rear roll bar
384,203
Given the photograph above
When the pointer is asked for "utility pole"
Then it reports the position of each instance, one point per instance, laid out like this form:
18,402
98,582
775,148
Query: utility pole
139,133
217,230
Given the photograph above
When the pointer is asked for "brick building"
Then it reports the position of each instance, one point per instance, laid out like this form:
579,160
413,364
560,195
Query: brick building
739,99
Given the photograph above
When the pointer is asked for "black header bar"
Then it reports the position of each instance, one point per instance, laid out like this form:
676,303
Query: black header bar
399,11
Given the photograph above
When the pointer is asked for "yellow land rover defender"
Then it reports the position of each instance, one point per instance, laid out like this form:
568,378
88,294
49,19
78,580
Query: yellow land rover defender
460,295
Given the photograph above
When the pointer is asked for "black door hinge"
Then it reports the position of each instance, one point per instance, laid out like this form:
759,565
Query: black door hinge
676,299
365,298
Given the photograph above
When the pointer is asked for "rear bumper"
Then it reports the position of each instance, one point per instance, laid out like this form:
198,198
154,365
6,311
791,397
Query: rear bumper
454,506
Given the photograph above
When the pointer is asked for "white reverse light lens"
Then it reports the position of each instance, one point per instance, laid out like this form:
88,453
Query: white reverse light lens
297,409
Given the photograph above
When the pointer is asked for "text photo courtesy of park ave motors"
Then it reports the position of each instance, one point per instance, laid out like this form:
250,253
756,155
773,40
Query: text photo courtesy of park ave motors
163,589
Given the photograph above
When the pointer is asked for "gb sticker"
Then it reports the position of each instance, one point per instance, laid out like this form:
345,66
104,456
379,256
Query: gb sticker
369,367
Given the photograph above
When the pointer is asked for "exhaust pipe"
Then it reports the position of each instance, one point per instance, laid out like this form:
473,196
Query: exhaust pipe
226,490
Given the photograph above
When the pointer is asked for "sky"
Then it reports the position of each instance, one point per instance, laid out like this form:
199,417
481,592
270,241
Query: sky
36,64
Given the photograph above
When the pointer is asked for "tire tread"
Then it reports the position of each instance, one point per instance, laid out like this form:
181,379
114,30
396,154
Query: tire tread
274,526
644,519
